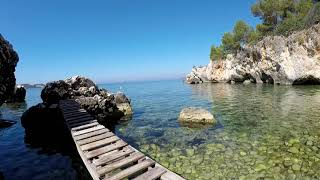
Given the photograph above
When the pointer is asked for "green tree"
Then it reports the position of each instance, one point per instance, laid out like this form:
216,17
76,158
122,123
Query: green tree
230,46
241,32
216,53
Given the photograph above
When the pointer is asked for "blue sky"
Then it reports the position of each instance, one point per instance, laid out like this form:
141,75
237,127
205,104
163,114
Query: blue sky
116,40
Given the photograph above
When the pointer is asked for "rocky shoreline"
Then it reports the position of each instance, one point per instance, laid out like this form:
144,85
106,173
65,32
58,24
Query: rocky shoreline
105,106
9,59
275,59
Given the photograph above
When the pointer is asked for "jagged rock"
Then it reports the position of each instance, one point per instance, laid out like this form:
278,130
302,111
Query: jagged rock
196,115
100,103
8,62
275,59
121,98
18,95
55,91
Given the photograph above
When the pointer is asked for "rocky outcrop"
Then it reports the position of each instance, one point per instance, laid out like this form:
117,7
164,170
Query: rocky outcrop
100,103
275,59
196,115
8,62
18,95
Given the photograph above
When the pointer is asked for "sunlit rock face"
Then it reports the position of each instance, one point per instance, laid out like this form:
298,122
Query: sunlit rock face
8,62
275,59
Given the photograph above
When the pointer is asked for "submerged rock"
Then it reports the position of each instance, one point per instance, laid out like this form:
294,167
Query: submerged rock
8,62
275,59
196,115
6,123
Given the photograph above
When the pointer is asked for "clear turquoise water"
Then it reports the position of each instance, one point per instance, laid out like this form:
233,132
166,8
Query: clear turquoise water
264,131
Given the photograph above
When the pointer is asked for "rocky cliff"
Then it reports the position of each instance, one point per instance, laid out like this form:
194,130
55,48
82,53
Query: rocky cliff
8,62
275,59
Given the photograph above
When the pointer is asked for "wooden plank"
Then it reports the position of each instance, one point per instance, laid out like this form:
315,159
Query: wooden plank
170,176
113,156
75,121
95,138
91,134
77,118
84,126
132,170
100,143
134,157
68,113
76,114
151,174
111,147
84,131
75,124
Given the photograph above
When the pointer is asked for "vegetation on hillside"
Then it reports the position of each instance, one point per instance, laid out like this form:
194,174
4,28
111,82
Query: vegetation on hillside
278,17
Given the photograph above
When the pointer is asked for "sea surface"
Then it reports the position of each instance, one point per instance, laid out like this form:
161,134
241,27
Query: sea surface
263,132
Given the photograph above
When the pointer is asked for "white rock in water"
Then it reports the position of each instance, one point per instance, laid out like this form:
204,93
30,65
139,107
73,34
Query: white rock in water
196,115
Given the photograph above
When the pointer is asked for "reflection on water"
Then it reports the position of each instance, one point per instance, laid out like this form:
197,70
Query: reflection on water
265,131
30,156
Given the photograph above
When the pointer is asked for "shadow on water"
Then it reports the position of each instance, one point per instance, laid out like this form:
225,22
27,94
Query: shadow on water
46,134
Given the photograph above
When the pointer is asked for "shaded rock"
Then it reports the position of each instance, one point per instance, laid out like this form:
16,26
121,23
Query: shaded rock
196,115
42,119
121,98
19,95
6,123
55,91
100,103
8,62
275,59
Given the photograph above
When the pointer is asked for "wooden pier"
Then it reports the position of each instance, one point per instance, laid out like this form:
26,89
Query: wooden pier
105,155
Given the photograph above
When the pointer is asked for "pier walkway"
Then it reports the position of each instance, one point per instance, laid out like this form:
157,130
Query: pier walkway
105,155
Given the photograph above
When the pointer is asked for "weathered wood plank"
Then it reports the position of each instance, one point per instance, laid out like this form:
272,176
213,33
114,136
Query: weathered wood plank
111,147
85,126
113,156
100,143
91,134
85,120
132,170
77,114
134,157
151,174
171,176
95,138
84,131
78,118
74,125
103,152
71,111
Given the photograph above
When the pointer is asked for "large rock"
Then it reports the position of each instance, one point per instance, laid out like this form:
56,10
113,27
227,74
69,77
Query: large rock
8,62
100,103
275,59
18,95
196,115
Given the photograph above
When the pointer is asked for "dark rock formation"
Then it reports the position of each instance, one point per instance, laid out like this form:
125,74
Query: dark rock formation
8,62
18,95
98,102
6,123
